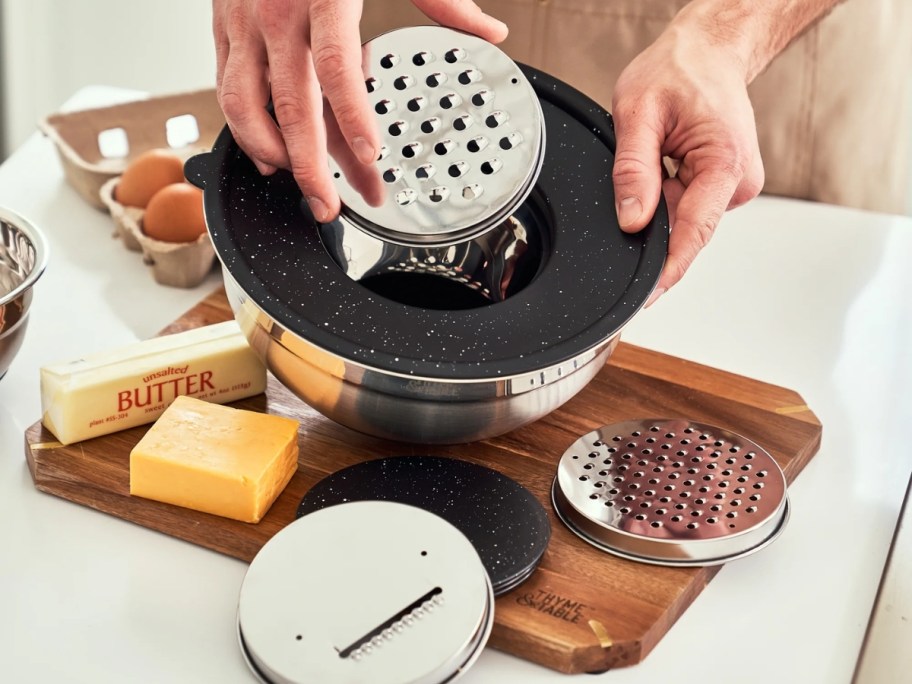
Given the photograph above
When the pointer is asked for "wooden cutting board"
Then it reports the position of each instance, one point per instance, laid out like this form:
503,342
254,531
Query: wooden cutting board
582,610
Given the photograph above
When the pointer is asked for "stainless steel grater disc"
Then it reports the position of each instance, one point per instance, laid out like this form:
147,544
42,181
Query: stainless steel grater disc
371,592
463,137
671,492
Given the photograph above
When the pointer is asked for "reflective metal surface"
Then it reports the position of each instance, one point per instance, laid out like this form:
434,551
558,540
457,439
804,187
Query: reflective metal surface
463,137
405,407
23,257
489,268
671,492
398,595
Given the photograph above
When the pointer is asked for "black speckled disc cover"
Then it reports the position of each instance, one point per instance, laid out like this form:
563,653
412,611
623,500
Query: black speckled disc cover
596,277
504,521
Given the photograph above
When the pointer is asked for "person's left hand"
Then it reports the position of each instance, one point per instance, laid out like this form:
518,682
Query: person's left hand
685,98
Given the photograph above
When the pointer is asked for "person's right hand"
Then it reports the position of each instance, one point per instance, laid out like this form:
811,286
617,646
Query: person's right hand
296,53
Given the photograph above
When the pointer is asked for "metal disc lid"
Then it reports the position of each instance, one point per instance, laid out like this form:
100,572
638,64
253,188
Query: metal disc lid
671,492
370,591
463,136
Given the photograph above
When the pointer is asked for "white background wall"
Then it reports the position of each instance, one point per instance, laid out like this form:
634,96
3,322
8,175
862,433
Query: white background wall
51,48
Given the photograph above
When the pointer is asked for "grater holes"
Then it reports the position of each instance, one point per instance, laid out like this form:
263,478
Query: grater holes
384,153
495,119
406,197
435,79
491,166
403,82
454,55
422,58
397,128
450,100
469,76
676,518
416,104
461,123
655,523
393,174
384,106
458,169
588,466
444,147
430,125
472,191
372,84
412,150
477,144
439,194
508,142
609,503
482,97
640,517
426,171
390,60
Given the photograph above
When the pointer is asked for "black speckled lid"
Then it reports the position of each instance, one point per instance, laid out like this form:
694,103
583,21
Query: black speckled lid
505,523
594,280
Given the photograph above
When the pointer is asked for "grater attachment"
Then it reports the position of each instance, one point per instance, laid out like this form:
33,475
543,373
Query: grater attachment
368,591
671,492
463,137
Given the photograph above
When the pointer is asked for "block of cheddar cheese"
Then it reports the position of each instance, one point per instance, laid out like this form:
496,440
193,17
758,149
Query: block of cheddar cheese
106,392
216,459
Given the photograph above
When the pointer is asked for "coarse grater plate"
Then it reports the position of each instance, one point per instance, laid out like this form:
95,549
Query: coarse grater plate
463,136
671,492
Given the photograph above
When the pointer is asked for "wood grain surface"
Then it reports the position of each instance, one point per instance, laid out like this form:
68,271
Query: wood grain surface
582,610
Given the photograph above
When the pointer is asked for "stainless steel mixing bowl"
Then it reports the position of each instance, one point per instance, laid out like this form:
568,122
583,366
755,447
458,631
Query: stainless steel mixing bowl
23,256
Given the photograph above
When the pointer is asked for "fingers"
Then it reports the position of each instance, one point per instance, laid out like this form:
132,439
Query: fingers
336,48
364,178
694,211
637,166
242,96
464,15
242,88
298,105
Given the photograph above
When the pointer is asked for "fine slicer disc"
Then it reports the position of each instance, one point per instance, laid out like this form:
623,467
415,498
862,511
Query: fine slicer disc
369,592
671,492
463,136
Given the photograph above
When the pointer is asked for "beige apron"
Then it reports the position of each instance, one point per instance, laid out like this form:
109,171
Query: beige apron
833,111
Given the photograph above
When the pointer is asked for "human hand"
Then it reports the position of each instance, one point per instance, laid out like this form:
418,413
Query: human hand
306,56
684,97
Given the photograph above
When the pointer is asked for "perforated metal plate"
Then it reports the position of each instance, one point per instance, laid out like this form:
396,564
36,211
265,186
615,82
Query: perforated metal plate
463,136
671,492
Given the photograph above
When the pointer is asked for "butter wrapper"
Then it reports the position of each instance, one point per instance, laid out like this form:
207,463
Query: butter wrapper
111,391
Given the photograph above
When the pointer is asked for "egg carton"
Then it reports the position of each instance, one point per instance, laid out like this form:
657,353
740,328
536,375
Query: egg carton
95,145
177,264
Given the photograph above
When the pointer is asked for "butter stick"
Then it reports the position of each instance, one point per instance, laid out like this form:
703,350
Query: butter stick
111,391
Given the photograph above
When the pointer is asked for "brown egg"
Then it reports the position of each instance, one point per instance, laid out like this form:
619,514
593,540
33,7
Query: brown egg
146,175
175,214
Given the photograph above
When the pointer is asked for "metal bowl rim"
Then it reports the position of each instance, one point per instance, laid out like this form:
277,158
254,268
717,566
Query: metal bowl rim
39,244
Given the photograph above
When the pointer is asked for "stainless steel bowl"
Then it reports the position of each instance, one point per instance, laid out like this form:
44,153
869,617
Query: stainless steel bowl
440,343
407,407
23,257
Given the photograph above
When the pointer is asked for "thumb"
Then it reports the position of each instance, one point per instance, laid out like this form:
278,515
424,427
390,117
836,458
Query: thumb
637,170
464,15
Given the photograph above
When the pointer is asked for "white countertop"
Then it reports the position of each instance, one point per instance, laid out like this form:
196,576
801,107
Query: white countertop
811,297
